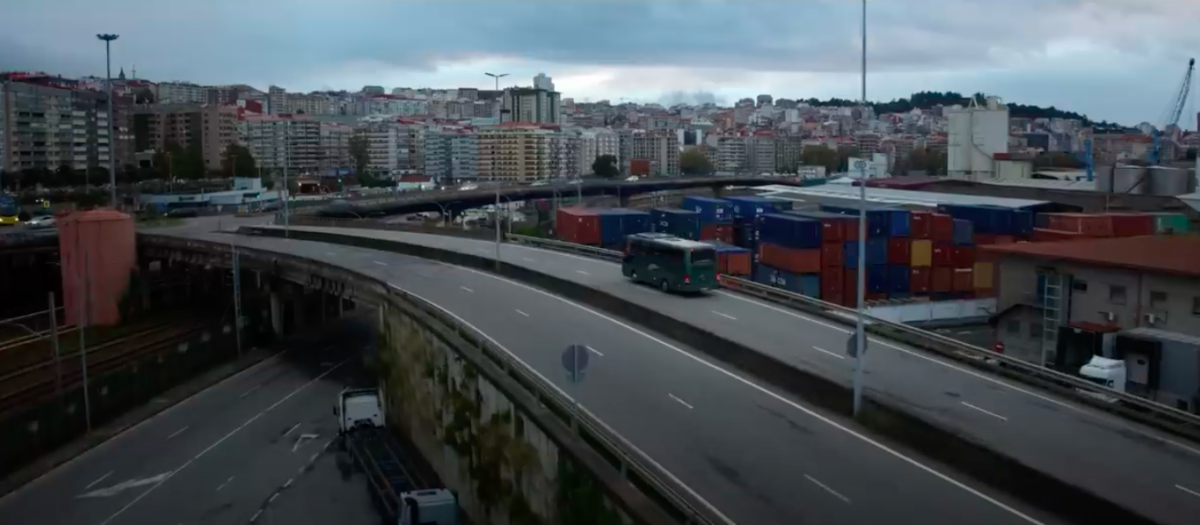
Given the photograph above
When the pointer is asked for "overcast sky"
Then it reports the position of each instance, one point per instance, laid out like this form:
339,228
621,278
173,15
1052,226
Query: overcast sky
1118,60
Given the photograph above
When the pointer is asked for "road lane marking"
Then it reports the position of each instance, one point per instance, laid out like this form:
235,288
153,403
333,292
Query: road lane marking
302,439
125,485
582,272
594,351
522,313
289,482
827,489
289,431
682,402
221,486
246,393
822,350
331,254
1187,490
312,458
98,480
177,432
993,414
381,263
327,443
862,437
272,500
526,259
222,440
255,516
727,316
468,290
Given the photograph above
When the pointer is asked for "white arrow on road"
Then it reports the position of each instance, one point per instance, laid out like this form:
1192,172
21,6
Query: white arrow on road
123,486
302,439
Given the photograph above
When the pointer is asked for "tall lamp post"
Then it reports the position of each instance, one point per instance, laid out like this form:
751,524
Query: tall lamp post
860,336
496,183
112,140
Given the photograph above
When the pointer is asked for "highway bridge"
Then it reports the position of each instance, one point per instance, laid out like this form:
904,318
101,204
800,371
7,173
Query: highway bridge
454,201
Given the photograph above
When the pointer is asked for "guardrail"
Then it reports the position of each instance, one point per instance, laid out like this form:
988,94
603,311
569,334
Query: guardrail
1138,408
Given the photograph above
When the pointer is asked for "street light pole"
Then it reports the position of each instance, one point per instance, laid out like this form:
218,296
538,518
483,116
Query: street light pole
495,181
112,140
860,339
287,159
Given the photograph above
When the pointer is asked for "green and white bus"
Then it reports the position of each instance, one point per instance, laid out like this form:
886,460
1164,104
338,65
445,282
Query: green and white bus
670,263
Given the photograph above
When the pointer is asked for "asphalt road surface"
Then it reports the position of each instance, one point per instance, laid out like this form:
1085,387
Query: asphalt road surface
757,455
255,447
1139,468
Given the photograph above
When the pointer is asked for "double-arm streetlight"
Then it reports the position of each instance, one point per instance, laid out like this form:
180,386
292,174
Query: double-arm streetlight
112,140
495,181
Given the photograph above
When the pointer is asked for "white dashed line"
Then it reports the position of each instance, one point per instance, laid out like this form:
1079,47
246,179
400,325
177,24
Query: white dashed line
246,393
727,316
594,351
290,430
221,486
289,482
272,499
526,259
465,289
255,516
522,313
682,402
827,489
331,254
1187,490
824,351
582,272
312,458
993,414
101,478
381,263
177,432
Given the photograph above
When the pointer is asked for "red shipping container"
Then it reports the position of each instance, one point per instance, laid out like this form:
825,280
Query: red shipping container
1005,239
920,279
876,297
717,232
832,255
943,280
963,256
97,252
1044,235
789,259
639,166
920,223
850,287
850,229
1131,224
735,263
984,239
832,281
941,228
835,298
578,225
943,254
963,280
1092,225
899,251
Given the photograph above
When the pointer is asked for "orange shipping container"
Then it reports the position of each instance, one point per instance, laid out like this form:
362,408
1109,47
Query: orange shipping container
97,253
963,280
789,259
922,253
1045,235
734,263
984,276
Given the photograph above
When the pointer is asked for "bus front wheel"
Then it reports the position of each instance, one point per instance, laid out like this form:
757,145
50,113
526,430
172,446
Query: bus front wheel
664,286
633,276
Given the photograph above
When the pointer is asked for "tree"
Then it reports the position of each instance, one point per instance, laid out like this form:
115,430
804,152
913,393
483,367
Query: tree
237,161
63,176
185,163
358,154
820,156
162,164
605,166
695,162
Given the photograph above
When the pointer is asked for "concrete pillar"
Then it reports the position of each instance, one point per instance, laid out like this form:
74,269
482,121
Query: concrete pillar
623,201
341,307
276,313
718,192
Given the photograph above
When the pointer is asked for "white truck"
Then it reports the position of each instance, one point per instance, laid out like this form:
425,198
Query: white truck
404,499
1105,372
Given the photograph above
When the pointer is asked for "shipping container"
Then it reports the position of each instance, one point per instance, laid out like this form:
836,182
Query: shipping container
920,223
899,250
1168,223
711,210
750,208
745,235
942,280
831,255
899,223
616,223
834,226
731,260
877,278
941,228
943,254
1022,223
836,297
898,278
832,280
850,287
1090,225
922,253
790,259
983,276
782,204
964,232
717,232
963,256
578,225
920,280
1005,239
810,285
1046,235
681,223
985,219
789,230
876,296
985,239
963,280
877,217
1132,224
899,296
876,252
778,278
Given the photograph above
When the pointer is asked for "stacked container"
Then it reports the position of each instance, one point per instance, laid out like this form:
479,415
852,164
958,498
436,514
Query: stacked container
715,215
681,223
1053,226
790,250
578,225
732,260
877,217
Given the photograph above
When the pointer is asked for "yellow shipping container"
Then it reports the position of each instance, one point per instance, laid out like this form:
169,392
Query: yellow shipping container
922,253
983,275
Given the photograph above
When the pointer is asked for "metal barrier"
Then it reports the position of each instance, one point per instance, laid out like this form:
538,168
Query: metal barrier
1182,422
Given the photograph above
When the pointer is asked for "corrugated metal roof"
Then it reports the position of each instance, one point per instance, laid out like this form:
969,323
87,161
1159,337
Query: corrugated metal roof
1175,254
890,196
1049,184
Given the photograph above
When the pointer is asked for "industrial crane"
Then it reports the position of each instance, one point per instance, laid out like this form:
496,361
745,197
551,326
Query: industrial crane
1175,111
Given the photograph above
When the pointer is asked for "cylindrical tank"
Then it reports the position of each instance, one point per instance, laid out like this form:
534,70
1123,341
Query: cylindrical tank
1129,179
1167,181
1103,176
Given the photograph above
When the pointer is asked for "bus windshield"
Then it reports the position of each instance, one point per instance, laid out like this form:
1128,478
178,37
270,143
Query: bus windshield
703,256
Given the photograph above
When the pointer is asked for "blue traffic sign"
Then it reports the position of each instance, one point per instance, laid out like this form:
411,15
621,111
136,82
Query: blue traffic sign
575,361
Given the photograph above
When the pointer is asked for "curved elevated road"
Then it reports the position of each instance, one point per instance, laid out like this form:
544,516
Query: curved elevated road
758,455
1152,474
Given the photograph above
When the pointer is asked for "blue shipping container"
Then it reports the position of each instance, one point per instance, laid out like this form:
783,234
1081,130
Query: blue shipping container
1022,223
876,252
712,211
746,236
684,224
877,218
750,208
990,220
899,277
810,285
877,278
778,278
789,231
964,232
616,223
899,223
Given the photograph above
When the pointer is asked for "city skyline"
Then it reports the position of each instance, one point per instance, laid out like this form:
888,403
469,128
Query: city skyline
1114,60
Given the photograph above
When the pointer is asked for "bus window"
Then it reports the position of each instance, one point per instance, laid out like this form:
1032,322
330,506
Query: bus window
703,256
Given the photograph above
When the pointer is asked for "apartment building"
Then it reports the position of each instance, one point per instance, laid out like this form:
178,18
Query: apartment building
789,153
594,143
514,152
464,157
538,106
761,151
394,147
283,141
210,128
180,93
335,147
45,125
868,143
438,152
564,156
660,147
732,156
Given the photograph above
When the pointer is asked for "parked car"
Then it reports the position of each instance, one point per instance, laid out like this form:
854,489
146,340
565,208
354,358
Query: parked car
182,213
41,221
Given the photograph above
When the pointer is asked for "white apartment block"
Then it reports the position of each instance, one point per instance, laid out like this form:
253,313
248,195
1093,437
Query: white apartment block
532,105
401,107
181,93
731,155
660,147
278,143
335,147
594,143
761,152
514,153
464,157
394,148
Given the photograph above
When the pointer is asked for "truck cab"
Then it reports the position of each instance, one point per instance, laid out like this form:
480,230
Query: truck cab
358,407
1106,372
428,507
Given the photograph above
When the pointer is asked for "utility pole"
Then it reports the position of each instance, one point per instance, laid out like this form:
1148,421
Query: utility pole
495,180
860,337
54,340
82,281
237,299
112,140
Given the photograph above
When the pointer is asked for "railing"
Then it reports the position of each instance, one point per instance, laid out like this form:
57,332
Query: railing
1177,420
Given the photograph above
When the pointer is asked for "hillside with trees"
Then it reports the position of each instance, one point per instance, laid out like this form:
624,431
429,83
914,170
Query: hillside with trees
928,99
